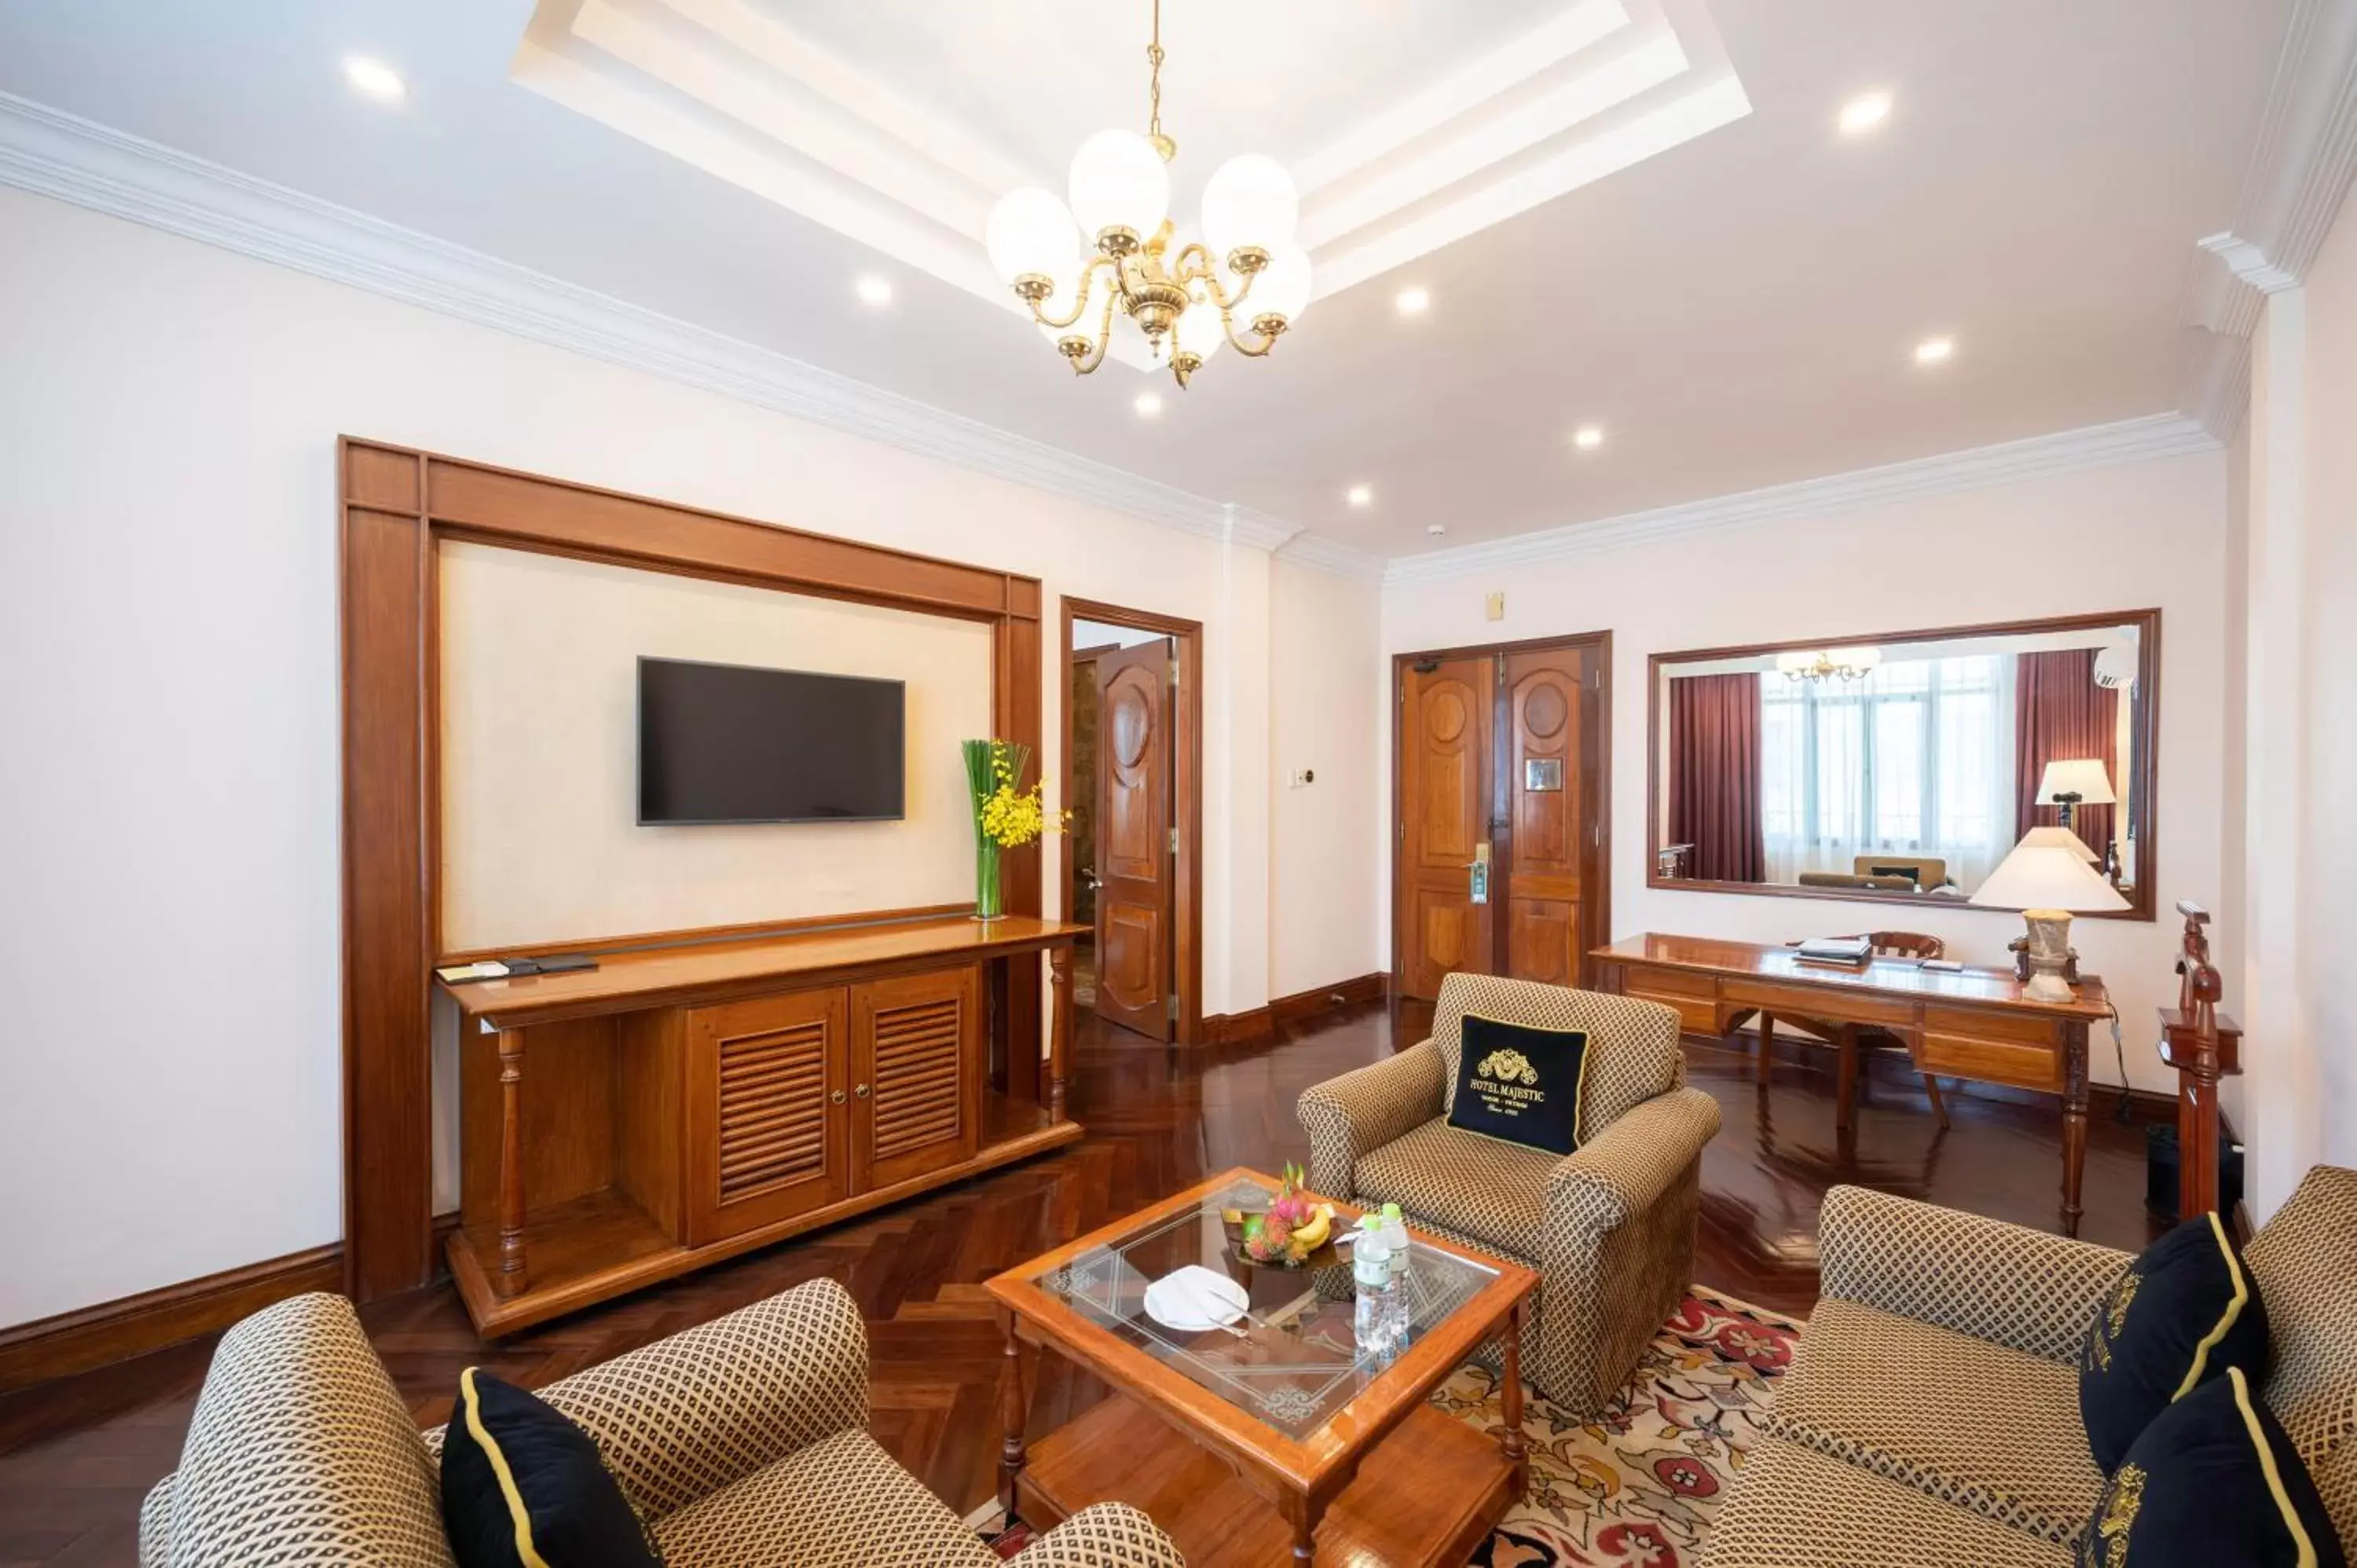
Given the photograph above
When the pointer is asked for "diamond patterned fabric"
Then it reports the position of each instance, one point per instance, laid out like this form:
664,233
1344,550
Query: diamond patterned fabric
1362,1111
841,1501
2305,1260
1634,1052
1989,1429
1464,1183
1795,1508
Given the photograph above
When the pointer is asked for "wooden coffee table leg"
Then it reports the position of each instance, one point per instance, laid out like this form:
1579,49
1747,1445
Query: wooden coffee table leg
1303,1513
1014,1412
1511,1440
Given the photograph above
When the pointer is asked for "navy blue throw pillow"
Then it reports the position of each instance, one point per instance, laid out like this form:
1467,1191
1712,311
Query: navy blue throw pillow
1521,1084
2181,1315
2212,1483
523,1488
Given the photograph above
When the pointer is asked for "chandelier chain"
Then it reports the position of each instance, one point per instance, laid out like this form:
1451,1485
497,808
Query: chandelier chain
1154,83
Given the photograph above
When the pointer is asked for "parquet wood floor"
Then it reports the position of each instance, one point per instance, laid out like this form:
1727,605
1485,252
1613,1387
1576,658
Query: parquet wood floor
77,1454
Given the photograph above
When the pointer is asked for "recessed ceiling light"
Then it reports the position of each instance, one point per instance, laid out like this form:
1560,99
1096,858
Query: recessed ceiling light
875,290
1587,437
1865,112
1935,350
375,77
1360,495
1149,404
1414,301
1436,529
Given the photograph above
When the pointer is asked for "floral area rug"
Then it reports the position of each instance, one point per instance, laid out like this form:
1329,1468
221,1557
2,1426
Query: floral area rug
1637,1486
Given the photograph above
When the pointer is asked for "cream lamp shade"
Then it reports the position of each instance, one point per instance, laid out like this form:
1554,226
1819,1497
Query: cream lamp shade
2083,777
2047,875
2061,838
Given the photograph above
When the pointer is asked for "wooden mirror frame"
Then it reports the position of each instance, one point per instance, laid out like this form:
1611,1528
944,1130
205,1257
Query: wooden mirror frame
2143,769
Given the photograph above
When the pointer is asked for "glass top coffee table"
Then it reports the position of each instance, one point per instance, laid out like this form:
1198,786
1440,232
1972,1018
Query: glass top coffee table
1259,1410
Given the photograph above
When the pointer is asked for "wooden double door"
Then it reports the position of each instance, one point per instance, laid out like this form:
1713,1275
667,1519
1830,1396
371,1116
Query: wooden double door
1501,861
1137,840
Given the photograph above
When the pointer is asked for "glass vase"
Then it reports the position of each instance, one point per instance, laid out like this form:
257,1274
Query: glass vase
988,904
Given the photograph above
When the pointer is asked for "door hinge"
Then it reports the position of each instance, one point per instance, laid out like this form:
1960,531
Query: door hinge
1402,830
1174,675
1174,841
1170,1006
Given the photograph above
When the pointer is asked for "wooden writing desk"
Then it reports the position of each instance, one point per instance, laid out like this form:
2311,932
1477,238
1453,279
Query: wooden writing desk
677,1106
1971,1022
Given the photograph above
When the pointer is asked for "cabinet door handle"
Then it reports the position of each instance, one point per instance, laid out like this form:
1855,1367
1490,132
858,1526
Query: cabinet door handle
861,1090
838,1097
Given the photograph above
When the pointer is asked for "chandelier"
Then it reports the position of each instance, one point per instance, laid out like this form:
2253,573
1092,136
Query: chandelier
1183,300
1829,664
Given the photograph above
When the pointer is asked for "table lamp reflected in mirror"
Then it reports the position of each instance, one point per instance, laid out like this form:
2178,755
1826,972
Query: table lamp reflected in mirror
2072,782
2048,882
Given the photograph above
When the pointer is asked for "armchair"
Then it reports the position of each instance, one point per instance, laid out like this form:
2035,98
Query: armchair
1610,1229
742,1441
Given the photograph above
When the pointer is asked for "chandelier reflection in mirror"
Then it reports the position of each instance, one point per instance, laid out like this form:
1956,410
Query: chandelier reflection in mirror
1185,302
1830,663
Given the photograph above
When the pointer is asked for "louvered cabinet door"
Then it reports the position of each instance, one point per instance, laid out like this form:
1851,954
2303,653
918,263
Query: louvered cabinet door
769,1117
917,1084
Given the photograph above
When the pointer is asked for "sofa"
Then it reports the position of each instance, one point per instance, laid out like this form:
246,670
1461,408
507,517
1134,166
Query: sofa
1931,1416
1609,1229
743,1442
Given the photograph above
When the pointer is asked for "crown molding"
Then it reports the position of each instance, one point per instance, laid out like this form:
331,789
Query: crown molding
1327,555
54,153
2011,462
2300,174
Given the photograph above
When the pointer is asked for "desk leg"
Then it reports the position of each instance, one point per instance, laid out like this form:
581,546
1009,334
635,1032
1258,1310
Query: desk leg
2075,1121
1767,1044
1845,1077
1060,1033
512,1276
1014,1412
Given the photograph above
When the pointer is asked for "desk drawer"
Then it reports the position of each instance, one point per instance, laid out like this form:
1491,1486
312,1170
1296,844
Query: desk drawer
1842,1005
1995,1048
1688,995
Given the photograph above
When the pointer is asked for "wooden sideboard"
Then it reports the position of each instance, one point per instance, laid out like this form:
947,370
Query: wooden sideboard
678,1106
1971,1022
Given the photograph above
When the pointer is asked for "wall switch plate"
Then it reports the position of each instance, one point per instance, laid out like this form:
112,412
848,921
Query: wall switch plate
1304,777
1496,608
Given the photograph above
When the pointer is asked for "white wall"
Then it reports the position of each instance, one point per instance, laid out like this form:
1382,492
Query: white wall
1326,841
168,904
2124,538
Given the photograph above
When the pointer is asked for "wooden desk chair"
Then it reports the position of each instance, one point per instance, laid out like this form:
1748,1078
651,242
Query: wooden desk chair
1847,1038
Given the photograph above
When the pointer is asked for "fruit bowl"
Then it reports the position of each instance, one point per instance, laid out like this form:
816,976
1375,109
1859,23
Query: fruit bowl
1324,1255
1294,1232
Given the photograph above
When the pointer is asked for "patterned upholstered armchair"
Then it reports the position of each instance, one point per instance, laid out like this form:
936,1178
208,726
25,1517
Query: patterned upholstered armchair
1610,1229
743,1442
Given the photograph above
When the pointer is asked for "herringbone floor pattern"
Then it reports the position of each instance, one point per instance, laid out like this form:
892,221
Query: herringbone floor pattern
76,1455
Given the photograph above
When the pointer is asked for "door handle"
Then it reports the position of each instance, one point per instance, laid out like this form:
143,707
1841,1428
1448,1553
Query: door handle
838,1097
860,1090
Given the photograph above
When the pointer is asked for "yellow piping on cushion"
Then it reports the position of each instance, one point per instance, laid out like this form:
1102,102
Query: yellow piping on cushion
2267,1463
2210,1340
516,1510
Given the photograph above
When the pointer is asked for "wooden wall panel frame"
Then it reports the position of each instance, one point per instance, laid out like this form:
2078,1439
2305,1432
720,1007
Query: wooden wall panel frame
2144,766
396,505
1596,774
1187,639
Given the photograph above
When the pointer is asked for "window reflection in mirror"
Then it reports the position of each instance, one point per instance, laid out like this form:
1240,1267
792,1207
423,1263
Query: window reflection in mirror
1904,767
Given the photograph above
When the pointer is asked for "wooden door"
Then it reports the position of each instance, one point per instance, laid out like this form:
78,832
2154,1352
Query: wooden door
916,1070
1135,842
1444,815
1545,746
768,1133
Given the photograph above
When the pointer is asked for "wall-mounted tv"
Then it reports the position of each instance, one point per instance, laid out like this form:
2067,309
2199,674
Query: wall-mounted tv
732,743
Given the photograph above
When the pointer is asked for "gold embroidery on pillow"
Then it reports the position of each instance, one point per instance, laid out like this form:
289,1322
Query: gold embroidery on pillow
2113,1322
2119,1515
1507,1066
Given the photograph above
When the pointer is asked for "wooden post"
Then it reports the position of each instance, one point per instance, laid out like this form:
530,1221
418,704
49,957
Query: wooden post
513,1276
1060,1037
2203,1047
1014,1412
1510,1441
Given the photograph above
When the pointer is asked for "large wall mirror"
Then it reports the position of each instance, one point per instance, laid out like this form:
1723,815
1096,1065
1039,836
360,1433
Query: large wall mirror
1903,768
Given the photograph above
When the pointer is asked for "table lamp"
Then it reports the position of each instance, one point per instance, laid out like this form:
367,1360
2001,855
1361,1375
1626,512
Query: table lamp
2048,881
2062,838
2073,782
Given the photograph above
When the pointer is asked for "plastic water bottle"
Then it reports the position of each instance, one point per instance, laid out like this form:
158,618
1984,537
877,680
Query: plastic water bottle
1370,1261
1394,1234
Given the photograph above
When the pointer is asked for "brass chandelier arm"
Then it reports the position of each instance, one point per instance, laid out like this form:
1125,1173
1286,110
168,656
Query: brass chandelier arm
1195,264
1104,338
1267,340
1081,295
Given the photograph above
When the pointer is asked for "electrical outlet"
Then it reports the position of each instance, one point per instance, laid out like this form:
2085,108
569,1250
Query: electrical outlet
1496,608
1304,777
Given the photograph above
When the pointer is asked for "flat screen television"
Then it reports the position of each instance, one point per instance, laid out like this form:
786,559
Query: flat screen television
732,743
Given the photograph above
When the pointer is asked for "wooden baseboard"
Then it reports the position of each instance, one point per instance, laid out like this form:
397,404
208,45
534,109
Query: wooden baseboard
113,1331
1261,1023
99,1336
